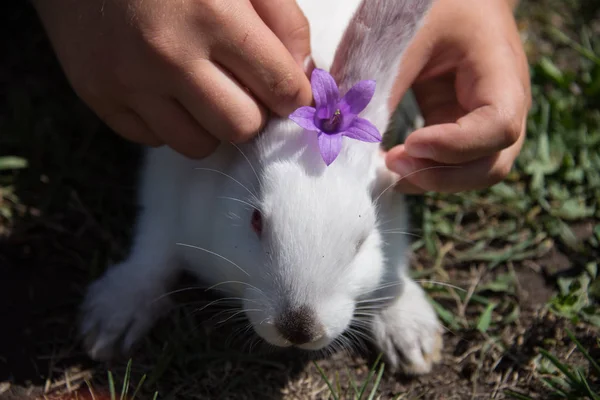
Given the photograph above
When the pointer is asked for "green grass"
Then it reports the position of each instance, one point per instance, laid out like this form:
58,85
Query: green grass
565,381
359,390
126,386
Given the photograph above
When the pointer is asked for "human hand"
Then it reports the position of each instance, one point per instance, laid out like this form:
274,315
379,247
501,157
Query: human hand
470,77
176,72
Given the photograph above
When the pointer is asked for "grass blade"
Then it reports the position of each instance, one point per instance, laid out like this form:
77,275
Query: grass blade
583,350
352,383
446,316
125,388
516,395
377,382
564,369
138,387
111,386
555,386
329,385
91,390
369,377
486,318
11,162
574,45
587,387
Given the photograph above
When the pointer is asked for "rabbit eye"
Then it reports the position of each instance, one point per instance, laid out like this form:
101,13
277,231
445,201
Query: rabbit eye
256,222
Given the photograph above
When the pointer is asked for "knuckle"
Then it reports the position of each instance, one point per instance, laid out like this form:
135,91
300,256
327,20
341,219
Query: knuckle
246,127
212,14
214,6
165,46
286,90
299,32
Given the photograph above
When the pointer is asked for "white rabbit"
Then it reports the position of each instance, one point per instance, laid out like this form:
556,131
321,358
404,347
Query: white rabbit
304,244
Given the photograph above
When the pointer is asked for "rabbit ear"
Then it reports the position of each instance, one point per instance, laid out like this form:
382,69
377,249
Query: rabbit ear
372,48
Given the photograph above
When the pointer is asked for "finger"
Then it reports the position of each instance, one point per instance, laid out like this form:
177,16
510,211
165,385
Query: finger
288,23
260,61
402,185
437,100
406,187
485,131
495,101
175,127
429,175
219,104
128,124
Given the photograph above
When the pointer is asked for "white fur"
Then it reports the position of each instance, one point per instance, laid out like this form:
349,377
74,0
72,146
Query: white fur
325,37
196,215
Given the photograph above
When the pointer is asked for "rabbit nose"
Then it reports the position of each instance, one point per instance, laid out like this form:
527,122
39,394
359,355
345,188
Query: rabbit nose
299,325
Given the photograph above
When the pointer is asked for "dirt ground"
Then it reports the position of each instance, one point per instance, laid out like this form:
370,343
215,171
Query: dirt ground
74,215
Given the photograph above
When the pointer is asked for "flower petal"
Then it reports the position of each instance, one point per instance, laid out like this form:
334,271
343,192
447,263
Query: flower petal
358,97
305,117
330,146
363,130
325,92
324,112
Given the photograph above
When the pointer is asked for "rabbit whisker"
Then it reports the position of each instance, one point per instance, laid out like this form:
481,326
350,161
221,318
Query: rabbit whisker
412,173
247,159
227,176
438,283
239,201
229,282
214,254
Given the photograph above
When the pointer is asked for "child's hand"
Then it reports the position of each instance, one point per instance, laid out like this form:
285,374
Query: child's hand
471,79
186,73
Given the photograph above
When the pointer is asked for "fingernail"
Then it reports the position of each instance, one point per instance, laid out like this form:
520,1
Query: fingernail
308,65
420,151
402,167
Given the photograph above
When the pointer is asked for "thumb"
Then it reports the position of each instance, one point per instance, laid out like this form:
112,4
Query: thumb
288,23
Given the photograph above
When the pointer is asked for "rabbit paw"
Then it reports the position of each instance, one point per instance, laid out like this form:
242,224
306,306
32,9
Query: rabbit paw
119,308
408,332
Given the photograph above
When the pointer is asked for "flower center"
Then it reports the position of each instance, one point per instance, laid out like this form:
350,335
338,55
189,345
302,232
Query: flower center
332,124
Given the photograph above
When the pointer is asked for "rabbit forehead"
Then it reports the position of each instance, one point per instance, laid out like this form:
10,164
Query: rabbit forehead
292,170
288,188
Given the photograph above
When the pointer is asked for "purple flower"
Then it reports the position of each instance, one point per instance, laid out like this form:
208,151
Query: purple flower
332,117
